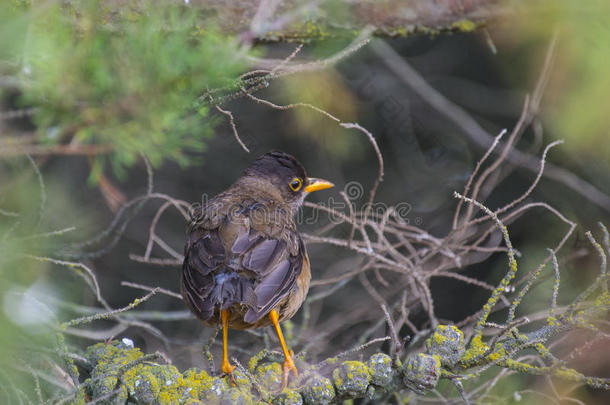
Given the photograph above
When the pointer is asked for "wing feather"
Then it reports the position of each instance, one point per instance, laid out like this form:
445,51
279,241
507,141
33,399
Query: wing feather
258,268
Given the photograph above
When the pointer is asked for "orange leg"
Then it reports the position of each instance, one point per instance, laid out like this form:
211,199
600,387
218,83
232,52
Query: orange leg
227,368
288,354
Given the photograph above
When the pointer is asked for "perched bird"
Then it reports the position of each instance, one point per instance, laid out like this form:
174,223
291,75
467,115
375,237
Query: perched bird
245,265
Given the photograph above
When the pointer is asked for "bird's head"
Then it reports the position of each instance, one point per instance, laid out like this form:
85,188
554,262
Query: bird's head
287,176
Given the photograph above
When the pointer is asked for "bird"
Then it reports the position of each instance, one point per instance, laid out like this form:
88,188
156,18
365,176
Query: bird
245,264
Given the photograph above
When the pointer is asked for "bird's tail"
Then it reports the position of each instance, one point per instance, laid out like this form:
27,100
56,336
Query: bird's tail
230,288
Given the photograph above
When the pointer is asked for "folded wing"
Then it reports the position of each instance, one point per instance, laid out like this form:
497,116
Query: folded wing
239,263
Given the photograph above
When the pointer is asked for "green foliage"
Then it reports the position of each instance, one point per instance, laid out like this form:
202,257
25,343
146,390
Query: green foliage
124,78
24,320
579,82
581,114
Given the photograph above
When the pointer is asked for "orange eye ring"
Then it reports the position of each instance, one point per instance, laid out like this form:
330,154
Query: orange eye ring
295,184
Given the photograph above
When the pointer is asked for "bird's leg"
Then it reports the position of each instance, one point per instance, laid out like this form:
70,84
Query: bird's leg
288,354
226,368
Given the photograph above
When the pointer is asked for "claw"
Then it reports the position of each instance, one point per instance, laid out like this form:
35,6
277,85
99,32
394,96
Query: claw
227,370
288,366
231,378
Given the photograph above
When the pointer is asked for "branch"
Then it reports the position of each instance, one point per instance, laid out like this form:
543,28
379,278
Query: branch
292,21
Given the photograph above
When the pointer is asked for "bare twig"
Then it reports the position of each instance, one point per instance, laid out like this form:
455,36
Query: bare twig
233,128
109,314
147,288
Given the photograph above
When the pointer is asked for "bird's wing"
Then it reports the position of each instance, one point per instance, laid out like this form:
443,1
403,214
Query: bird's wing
259,253
271,250
277,263
203,254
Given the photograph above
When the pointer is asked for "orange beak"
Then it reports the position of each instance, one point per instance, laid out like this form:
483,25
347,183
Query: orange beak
314,184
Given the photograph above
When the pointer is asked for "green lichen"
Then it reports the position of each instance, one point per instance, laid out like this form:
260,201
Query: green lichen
315,30
108,360
212,390
254,360
308,31
552,321
236,396
145,386
498,353
475,351
174,388
408,30
380,369
401,31
422,372
447,342
269,376
351,378
239,378
318,390
568,374
118,367
288,397
114,355
518,366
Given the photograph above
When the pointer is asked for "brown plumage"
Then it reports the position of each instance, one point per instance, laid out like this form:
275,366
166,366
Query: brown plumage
245,264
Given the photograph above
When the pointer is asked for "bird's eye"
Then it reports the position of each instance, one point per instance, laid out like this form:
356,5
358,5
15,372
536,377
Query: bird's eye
295,184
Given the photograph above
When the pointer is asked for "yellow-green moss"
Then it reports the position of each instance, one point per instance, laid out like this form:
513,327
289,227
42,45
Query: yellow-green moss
447,341
212,389
380,369
498,353
288,397
476,350
351,377
269,376
422,372
148,382
113,355
241,379
552,321
568,374
254,360
308,31
237,396
518,366
318,390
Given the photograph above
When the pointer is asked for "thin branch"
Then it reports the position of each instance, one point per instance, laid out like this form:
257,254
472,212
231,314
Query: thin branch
233,128
147,288
110,314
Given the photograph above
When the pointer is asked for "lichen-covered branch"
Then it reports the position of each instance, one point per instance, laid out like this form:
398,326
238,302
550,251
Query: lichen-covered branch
310,20
120,373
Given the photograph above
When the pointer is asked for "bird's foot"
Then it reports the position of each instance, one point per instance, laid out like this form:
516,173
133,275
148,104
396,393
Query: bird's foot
288,366
227,369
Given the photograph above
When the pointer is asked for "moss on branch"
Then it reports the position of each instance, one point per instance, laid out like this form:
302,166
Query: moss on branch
120,373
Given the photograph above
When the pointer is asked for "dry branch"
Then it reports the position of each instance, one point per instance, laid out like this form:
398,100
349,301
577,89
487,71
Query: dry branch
305,21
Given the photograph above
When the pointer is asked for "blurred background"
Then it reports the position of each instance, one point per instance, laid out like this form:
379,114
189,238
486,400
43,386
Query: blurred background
86,90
